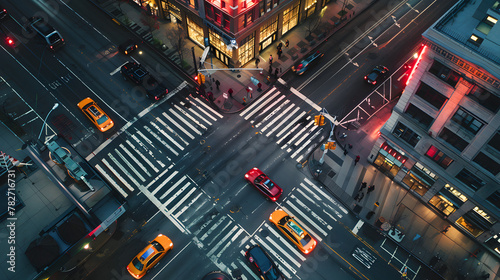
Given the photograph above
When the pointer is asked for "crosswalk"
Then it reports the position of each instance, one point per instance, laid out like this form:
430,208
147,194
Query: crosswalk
292,128
313,208
145,159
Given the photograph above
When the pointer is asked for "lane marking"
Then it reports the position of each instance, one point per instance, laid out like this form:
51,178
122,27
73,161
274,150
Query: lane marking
111,180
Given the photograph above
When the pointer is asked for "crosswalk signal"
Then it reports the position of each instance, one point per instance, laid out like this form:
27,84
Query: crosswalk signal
319,120
196,78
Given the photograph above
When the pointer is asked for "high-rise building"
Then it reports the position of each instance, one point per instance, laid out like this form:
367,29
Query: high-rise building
442,141
235,30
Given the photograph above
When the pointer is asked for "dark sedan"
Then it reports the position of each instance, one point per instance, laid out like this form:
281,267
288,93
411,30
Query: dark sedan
378,74
307,63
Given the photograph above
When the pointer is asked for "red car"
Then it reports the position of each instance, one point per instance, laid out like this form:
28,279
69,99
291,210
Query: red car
260,181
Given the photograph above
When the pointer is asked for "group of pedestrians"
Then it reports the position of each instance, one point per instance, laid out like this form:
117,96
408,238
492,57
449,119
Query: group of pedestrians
361,193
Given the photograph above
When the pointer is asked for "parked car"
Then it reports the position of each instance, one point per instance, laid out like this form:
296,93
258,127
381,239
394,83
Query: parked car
262,264
150,256
95,114
293,231
261,182
128,47
376,75
307,63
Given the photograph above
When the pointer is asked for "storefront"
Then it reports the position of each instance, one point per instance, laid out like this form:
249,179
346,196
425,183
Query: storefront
149,6
310,8
268,34
290,18
195,32
476,221
448,200
494,243
420,179
171,11
246,50
219,47
389,160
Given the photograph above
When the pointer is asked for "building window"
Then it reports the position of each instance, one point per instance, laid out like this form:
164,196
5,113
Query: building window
432,96
470,180
439,157
217,16
485,98
495,142
467,121
248,18
406,134
222,4
217,42
261,8
495,199
195,32
209,11
310,7
422,118
475,40
486,25
290,18
454,140
487,163
420,179
226,24
444,73
246,50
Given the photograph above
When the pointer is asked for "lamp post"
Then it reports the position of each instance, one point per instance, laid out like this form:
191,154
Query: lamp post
43,125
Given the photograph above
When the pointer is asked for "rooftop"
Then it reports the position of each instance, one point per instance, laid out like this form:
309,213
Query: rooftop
469,30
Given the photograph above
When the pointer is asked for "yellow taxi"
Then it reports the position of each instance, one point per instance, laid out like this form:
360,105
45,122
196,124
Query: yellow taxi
150,256
291,229
95,114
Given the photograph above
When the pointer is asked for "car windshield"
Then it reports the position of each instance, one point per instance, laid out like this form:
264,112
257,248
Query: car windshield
264,181
158,246
102,119
137,264
271,274
304,241
54,37
147,253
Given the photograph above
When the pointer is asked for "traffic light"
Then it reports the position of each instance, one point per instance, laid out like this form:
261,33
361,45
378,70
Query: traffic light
202,78
196,78
319,120
330,146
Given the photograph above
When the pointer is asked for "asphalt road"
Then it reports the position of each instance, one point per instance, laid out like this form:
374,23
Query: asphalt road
181,164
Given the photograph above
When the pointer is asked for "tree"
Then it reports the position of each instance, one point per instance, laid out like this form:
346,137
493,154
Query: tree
313,23
150,21
177,38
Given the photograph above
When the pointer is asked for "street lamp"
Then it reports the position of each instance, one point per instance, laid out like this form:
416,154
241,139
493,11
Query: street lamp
43,125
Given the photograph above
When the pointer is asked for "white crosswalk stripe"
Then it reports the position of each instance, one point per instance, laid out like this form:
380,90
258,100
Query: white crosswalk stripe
276,115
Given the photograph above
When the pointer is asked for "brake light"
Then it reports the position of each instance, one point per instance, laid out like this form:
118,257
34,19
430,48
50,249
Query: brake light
374,82
126,52
273,198
366,77
299,66
10,41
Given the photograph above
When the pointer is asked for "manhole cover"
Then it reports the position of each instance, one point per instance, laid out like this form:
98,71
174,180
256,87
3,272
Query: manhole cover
239,76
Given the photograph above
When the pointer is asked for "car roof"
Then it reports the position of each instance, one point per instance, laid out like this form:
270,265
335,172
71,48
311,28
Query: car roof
260,258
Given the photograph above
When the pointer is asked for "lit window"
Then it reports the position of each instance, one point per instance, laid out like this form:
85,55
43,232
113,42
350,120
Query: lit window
474,38
491,19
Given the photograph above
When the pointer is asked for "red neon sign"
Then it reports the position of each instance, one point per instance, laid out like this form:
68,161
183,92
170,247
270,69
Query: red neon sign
416,64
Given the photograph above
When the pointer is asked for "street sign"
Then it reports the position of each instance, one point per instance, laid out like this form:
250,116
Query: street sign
225,95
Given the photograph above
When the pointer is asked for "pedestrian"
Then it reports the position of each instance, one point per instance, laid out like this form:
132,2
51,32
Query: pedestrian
361,197
287,43
217,83
350,146
363,185
345,152
445,230
271,59
356,160
270,68
280,45
370,189
257,61
230,91
279,53
356,197
276,71
210,96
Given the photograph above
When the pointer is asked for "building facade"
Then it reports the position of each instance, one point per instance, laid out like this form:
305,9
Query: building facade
236,30
442,141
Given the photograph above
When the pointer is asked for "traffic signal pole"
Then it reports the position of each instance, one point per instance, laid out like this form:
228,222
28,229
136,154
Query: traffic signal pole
330,138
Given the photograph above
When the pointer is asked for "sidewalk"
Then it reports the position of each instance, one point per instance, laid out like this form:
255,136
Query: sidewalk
422,227
129,15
